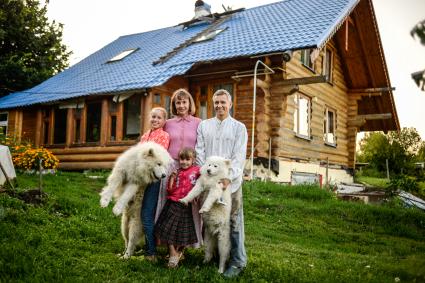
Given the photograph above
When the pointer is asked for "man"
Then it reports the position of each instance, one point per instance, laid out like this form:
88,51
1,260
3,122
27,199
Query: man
226,137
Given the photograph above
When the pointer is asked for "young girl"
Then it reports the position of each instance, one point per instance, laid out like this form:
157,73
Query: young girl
175,225
156,134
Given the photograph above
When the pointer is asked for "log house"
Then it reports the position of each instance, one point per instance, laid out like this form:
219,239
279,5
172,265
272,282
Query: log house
309,110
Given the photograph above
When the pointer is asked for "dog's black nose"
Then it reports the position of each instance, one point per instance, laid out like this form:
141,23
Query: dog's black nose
209,171
163,176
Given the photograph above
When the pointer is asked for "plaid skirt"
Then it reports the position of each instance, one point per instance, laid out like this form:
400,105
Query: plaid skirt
175,225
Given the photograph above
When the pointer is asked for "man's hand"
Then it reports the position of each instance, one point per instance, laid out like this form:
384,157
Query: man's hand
225,183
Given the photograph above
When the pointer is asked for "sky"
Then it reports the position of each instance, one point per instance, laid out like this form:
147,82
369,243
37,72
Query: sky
91,24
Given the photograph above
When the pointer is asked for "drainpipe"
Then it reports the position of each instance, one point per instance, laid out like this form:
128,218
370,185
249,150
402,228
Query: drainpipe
253,113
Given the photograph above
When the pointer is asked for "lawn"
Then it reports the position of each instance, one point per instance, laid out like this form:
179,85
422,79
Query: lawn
293,234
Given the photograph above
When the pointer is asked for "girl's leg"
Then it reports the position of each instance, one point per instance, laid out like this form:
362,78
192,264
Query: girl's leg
150,200
173,261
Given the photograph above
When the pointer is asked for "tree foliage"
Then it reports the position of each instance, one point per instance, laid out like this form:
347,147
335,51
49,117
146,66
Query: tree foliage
30,46
419,31
401,149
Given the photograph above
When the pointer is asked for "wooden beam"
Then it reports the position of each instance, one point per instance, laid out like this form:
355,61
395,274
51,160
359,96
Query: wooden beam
357,123
69,127
371,90
305,80
346,36
375,116
39,126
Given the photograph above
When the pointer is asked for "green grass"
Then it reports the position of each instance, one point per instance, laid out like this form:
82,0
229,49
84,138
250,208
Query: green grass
373,181
293,234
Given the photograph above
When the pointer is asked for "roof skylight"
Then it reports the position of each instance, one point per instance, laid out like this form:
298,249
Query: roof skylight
122,55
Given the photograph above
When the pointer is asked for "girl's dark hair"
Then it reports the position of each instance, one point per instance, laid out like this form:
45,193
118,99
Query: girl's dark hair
187,153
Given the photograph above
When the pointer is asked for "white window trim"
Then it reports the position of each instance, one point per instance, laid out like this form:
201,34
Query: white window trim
296,105
326,132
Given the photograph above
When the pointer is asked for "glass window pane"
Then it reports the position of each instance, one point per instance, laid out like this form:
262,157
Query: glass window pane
60,126
303,116
94,113
132,117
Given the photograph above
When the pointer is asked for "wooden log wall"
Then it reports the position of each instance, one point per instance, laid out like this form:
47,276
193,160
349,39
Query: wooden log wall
333,95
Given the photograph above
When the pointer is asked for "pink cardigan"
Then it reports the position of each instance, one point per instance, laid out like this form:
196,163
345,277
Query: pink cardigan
182,133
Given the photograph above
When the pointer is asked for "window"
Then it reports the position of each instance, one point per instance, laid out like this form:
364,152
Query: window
306,58
78,112
157,99
3,122
302,115
168,105
113,113
327,65
203,103
329,126
122,55
209,35
59,132
132,113
94,115
46,126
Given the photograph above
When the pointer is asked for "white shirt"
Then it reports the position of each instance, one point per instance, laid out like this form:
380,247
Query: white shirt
228,139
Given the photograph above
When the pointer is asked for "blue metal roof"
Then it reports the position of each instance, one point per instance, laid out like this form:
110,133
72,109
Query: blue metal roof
285,25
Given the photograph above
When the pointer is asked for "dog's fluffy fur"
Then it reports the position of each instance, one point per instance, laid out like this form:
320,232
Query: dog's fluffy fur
137,167
216,216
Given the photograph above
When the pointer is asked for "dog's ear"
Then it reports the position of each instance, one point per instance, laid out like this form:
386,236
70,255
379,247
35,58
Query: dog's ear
150,153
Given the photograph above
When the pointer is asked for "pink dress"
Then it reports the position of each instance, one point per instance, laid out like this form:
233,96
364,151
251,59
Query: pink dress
182,132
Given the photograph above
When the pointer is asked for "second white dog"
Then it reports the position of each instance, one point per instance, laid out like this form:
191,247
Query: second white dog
216,216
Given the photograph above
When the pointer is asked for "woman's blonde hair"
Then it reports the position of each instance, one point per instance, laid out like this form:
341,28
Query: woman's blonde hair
181,93
161,109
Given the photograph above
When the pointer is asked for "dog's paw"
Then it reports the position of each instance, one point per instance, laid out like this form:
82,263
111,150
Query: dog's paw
104,202
125,256
183,201
117,210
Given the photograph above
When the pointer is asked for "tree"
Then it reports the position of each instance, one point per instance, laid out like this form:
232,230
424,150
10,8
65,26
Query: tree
419,31
399,148
30,46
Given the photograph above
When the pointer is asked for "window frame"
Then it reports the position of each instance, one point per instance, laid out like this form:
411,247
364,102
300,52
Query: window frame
4,123
327,66
306,59
123,54
326,129
296,121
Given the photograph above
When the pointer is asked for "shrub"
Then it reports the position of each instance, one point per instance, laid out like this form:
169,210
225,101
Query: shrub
29,158
26,156
402,182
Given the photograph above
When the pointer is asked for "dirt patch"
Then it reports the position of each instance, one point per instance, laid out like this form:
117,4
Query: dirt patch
32,196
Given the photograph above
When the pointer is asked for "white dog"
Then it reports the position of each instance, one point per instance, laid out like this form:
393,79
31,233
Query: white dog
216,216
137,167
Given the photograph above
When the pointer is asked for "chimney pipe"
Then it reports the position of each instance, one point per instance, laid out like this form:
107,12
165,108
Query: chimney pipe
202,9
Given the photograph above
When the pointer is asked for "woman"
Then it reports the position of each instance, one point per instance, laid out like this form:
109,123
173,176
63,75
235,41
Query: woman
182,131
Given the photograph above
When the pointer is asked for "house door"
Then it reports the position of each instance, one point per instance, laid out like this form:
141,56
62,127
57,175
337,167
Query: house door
202,94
